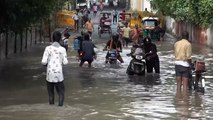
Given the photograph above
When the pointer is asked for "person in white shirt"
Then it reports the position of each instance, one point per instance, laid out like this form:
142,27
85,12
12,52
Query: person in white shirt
53,57
76,19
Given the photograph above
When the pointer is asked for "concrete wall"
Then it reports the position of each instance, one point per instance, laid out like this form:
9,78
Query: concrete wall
170,24
196,34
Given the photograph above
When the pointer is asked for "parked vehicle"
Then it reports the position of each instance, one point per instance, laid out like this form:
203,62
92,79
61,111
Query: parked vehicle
197,81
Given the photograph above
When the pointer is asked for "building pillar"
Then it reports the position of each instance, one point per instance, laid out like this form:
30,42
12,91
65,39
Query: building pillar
134,7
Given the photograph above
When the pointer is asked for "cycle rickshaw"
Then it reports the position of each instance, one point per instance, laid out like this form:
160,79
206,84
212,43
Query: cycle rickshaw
105,23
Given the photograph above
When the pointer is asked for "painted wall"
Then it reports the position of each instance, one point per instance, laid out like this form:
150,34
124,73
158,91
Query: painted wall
196,33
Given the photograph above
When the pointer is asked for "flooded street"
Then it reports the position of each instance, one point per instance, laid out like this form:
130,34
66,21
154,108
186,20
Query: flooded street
103,92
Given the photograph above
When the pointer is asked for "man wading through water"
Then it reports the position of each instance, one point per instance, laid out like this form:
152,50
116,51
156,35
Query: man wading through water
183,52
54,56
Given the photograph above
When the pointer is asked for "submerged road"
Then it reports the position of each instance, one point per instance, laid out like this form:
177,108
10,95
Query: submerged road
103,92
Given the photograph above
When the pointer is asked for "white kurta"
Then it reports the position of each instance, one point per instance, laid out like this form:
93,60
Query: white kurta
54,56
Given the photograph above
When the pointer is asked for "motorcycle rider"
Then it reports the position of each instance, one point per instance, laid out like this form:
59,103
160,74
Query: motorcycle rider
114,43
152,59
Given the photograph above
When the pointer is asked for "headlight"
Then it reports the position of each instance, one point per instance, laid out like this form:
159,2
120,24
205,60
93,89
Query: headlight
139,57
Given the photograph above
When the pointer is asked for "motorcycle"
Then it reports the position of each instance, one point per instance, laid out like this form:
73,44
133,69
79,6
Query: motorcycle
197,81
112,56
137,65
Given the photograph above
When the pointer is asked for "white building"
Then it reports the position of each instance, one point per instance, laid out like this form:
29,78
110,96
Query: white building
140,5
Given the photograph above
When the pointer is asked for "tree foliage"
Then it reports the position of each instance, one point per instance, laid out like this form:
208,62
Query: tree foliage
19,14
198,12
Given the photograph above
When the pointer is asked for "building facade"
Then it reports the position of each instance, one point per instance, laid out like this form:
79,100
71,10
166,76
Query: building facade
140,5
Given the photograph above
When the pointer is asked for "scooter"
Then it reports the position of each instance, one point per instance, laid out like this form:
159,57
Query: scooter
137,65
112,56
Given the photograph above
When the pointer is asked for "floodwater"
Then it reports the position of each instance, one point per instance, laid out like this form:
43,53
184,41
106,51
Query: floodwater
103,92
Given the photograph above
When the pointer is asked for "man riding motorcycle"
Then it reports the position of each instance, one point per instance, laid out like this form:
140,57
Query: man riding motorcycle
115,44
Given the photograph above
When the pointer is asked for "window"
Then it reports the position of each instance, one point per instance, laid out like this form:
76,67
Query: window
149,22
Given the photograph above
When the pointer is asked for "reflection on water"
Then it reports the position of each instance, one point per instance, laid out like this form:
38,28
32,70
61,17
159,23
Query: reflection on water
189,106
146,80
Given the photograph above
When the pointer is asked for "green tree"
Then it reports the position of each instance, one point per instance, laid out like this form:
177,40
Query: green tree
19,14
195,11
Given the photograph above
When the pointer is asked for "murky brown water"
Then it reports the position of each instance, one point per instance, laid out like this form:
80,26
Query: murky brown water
103,92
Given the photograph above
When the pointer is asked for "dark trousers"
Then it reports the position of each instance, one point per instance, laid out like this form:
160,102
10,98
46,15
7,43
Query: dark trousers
126,41
90,33
153,64
76,25
60,90
66,47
